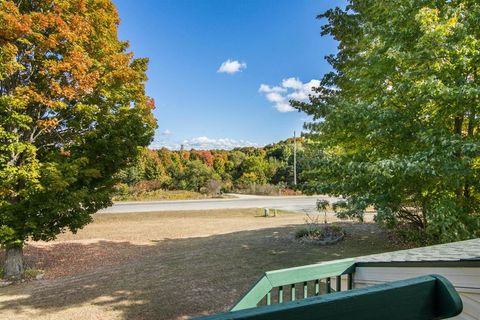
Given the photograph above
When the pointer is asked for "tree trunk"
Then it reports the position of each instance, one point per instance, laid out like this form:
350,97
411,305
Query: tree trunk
14,263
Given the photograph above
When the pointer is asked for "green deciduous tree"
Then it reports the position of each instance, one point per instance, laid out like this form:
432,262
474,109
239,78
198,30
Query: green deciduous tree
197,174
253,169
397,122
73,112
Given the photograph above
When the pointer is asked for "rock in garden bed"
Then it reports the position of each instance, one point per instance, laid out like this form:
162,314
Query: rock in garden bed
326,234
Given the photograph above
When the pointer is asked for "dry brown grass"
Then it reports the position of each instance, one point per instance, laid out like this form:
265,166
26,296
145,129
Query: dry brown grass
155,226
167,265
160,195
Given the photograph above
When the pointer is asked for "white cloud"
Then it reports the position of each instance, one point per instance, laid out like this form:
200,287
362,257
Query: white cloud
165,144
232,66
267,89
166,132
275,97
298,95
290,89
314,83
203,143
284,107
292,82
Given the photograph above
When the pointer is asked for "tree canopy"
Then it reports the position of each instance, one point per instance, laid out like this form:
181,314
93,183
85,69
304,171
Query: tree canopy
396,123
237,169
73,112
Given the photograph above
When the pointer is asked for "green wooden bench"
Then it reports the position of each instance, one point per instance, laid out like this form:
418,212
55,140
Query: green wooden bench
423,298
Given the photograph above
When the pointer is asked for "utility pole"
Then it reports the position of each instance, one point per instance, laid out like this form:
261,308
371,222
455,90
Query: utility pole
294,158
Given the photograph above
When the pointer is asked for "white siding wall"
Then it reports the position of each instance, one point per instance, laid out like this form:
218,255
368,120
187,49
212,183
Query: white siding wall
465,280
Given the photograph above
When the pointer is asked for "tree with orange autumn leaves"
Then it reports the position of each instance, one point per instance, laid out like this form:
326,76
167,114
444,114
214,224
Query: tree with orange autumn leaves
73,113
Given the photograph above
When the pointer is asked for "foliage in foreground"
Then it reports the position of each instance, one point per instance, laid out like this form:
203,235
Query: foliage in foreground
397,123
73,112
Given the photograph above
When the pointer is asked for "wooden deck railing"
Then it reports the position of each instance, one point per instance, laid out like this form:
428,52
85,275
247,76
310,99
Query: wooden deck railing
423,298
276,287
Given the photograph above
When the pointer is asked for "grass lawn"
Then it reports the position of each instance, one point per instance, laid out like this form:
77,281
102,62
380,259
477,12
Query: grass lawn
161,195
168,265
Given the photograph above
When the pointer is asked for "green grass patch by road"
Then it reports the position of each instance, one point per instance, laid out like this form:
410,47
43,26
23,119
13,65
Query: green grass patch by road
161,195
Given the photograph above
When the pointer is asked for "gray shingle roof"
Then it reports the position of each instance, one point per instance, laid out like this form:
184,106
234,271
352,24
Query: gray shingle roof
468,250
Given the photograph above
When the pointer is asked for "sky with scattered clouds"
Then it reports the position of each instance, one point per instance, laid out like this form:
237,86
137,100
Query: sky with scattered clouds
289,89
204,143
222,72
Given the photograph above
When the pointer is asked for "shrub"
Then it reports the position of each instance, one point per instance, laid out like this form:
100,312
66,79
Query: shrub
289,192
146,186
214,187
121,189
261,189
321,233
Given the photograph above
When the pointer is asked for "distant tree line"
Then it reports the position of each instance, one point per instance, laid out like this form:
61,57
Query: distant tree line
215,171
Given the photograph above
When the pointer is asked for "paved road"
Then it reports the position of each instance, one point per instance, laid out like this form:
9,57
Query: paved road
303,204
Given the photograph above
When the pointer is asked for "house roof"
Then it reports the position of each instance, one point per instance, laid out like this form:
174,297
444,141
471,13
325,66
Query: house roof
468,250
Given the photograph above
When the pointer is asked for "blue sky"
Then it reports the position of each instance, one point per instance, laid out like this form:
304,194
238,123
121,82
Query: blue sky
260,43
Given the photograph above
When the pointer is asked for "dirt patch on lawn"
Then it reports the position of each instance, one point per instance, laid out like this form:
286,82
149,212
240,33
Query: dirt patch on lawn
168,265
